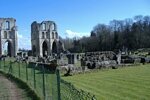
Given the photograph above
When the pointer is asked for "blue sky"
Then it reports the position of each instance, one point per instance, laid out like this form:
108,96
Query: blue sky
73,17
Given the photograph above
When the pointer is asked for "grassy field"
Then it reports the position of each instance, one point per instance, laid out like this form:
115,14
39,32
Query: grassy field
128,83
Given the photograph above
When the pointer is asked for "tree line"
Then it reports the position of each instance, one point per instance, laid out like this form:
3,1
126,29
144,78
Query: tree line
131,33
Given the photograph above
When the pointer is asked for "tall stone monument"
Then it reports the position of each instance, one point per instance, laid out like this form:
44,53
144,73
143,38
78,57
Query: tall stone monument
8,35
44,39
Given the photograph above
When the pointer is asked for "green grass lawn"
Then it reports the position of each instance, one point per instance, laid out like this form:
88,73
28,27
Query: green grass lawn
128,83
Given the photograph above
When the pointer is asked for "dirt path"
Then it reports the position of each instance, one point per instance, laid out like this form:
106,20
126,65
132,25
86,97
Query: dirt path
9,90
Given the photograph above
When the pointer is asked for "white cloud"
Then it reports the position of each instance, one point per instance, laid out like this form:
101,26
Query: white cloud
71,34
24,41
19,36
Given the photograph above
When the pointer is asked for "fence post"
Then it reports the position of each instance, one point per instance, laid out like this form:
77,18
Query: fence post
19,68
43,72
26,71
58,84
34,76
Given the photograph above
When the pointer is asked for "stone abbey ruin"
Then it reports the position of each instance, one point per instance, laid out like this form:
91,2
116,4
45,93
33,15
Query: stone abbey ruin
8,34
46,46
44,38
48,57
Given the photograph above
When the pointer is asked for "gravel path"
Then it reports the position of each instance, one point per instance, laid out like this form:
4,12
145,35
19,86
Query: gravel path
10,91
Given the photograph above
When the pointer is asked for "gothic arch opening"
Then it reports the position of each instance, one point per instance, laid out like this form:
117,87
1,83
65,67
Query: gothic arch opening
53,35
7,48
53,27
43,35
44,49
44,26
60,47
7,25
54,47
56,35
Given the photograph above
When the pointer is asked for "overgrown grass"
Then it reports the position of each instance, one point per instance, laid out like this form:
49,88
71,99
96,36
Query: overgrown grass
127,83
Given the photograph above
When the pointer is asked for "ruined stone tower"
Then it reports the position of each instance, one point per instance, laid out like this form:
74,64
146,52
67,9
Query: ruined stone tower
8,34
45,39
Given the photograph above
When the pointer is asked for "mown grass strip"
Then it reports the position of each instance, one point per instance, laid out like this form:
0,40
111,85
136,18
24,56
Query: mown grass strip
126,83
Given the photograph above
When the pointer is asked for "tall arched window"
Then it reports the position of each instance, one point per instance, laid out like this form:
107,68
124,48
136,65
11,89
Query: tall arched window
52,35
43,26
43,35
46,34
56,35
52,27
7,25
45,49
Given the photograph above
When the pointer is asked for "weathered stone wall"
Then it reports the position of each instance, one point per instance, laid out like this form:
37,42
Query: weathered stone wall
44,33
8,33
99,59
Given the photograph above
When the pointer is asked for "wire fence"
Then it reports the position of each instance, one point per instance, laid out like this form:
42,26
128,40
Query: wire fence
44,79
41,79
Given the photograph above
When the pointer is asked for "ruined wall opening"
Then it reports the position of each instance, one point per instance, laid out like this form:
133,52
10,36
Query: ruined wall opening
52,27
54,47
45,49
43,26
56,35
53,35
43,35
7,48
7,25
60,47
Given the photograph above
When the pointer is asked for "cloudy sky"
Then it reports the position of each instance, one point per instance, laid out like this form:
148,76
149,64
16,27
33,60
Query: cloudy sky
73,17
